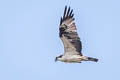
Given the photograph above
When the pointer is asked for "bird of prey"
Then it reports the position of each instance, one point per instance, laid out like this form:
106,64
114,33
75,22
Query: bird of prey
69,36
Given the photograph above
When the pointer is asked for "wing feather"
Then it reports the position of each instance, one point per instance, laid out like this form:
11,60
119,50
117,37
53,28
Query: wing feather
68,32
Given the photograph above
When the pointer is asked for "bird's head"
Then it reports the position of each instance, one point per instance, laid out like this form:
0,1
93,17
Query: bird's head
58,57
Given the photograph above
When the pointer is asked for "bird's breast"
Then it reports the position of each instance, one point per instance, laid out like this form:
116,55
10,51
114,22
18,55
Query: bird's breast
73,58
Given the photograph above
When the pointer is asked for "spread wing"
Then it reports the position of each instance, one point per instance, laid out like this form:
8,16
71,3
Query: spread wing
68,33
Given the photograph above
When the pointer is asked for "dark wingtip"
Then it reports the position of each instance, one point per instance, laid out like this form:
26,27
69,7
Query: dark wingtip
72,15
68,13
65,12
65,6
61,21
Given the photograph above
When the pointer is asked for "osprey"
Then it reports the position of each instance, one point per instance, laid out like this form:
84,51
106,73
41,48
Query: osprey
69,36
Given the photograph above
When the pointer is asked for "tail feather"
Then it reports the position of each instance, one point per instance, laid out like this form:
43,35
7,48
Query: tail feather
92,59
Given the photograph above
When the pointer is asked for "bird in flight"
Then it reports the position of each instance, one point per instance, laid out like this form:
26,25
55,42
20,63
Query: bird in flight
69,36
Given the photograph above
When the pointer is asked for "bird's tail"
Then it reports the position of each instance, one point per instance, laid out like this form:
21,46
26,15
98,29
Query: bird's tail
92,59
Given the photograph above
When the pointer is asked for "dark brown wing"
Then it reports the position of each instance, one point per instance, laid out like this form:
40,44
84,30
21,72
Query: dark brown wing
68,32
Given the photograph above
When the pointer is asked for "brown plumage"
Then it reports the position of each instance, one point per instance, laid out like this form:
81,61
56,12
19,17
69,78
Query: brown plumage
69,31
69,36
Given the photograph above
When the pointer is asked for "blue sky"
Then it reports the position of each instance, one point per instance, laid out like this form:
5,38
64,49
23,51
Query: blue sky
29,39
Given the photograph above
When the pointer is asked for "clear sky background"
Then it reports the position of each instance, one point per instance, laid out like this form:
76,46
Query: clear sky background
29,39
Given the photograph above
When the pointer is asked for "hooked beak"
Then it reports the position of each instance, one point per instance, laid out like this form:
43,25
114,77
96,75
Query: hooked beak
56,59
